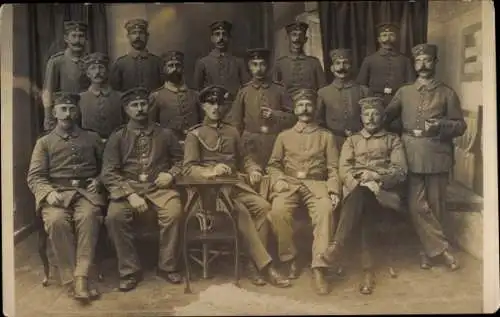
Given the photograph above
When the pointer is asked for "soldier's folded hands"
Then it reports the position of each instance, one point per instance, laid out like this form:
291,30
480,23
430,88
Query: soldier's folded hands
93,186
373,186
54,198
164,180
222,169
280,186
255,178
137,202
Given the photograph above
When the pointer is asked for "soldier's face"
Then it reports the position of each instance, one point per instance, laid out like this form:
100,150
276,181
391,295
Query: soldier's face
138,38
297,40
65,114
97,73
220,39
174,71
213,110
387,39
425,65
341,67
138,110
258,68
75,40
372,119
304,110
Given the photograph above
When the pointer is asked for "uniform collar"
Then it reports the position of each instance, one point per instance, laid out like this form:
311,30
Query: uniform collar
367,134
65,135
67,53
135,54
386,52
261,83
104,91
431,85
302,127
173,88
342,84
134,126
217,53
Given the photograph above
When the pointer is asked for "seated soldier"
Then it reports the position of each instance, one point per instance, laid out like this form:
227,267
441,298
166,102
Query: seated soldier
214,148
303,168
141,161
372,165
63,176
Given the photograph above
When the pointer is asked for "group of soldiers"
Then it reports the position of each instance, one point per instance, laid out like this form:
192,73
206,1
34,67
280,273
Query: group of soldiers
117,140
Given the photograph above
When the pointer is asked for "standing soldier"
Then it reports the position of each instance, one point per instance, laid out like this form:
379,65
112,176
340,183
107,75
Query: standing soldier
219,67
303,168
63,176
297,70
387,69
432,117
64,69
214,148
141,161
338,108
138,68
175,106
100,106
261,109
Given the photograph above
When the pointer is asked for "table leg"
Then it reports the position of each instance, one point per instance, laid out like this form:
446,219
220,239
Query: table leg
205,260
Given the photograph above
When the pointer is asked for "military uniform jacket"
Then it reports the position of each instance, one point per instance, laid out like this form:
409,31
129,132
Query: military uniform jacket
63,73
221,69
207,145
245,112
338,109
414,104
101,110
385,69
305,152
58,158
137,69
381,152
131,152
300,71
176,108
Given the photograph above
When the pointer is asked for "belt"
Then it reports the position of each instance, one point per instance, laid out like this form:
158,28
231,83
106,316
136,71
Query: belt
304,175
72,182
420,133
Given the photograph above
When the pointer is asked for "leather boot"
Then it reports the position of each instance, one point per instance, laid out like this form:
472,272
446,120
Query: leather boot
293,270
368,283
93,290
425,261
275,278
254,275
450,260
331,253
81,288
320,284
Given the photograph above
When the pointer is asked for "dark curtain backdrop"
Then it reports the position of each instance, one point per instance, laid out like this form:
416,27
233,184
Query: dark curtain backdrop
46,37
351,24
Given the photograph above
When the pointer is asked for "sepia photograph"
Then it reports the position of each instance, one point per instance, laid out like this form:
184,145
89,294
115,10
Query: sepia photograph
249,158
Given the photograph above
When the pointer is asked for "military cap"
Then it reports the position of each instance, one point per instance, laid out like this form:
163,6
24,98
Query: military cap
221,25
427,49
341,53
137,93
95,58
173,56
134,24
300,26
387,27
66,98
213,93
258,53
371,103
75,26
303,93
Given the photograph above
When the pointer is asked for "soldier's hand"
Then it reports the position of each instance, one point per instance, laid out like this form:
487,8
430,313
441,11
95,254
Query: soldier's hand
280,186
255,178
348,132
222,169
335,200
373,186
54,198
368,176
93,186
431,125
137,202
266,112
164,180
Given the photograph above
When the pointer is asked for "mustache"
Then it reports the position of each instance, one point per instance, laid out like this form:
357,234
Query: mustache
342,71
424,69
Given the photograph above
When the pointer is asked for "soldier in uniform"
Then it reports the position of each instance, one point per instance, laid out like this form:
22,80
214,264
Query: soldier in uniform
431,116
261,109
219,67
214,148
372,165
338,109
64,69
141,161
138,68
387,69
63,176
303,168
297,70
100,106
175,106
